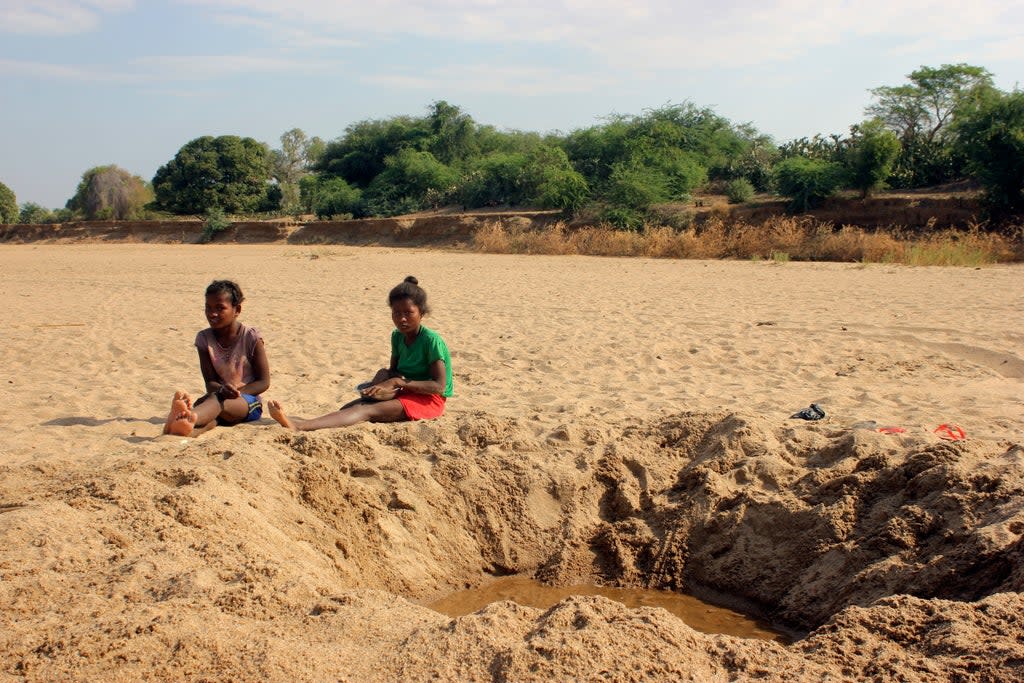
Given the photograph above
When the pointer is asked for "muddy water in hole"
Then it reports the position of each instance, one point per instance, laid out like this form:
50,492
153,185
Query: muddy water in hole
697,614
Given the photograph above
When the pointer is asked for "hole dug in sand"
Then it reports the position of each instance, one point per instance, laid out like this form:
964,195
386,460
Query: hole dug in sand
899,558
834,530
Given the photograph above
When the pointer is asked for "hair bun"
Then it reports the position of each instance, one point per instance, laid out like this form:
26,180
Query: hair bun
411,280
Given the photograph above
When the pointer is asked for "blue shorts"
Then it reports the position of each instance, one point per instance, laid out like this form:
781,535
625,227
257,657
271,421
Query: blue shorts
255,411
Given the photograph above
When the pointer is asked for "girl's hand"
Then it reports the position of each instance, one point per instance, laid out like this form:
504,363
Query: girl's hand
385,391
227,392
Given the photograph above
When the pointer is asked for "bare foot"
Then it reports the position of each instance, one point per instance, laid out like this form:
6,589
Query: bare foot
277,412
181,420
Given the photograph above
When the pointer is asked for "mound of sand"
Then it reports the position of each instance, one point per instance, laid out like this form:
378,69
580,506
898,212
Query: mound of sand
265,554
256,553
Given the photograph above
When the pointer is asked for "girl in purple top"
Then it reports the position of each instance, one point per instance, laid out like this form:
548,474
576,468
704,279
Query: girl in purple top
234,366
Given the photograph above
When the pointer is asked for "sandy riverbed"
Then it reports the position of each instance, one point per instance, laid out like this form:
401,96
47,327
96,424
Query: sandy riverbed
620,421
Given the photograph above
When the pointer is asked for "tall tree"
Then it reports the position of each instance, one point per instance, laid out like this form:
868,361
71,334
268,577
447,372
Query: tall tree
991,136
229,172
8,205
921,112
452,132
110,193
292,162
926,105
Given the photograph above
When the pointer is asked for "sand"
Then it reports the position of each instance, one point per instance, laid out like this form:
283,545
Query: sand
616,421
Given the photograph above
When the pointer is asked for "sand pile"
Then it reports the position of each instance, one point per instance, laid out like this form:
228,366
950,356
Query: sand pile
581,447
261,553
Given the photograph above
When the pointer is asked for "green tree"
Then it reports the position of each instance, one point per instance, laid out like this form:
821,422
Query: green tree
755,160
411,181
110,193
8,205
550,181
292,162
541,177
990,135
361,154
926,106
453,133
807,182
921,112
596,150
35,213
637,187
229,172
495,179
334,197
871,156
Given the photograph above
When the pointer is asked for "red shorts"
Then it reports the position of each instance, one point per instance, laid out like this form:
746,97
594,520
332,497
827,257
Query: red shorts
422,406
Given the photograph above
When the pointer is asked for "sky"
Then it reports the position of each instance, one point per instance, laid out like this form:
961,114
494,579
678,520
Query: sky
86,83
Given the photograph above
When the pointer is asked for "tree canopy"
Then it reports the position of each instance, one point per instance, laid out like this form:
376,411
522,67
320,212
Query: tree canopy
229,172
990,135
943,124
8,205
110,193
292,162
921,113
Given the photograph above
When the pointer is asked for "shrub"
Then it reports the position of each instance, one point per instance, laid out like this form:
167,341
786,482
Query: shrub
334,197
636,187
871,156
739,191
216,222
623,217
410,182
34,213
807,182
495,179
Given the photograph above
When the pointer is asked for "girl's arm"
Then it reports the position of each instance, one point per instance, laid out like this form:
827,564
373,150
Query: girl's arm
261,370
210,376
434,385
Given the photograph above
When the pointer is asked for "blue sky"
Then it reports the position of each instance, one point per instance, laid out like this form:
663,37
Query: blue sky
85,83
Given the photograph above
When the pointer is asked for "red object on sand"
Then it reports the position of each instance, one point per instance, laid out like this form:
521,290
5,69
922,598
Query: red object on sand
951,432
891,430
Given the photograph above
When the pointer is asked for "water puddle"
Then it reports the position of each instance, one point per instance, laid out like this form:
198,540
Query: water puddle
523,590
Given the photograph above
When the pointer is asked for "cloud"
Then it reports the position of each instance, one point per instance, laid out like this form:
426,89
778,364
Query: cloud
148,70
485,78
56,17
670,34
206,67
64,72
288,36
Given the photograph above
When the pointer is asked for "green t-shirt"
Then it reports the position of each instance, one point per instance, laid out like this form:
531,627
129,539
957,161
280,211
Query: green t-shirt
414,361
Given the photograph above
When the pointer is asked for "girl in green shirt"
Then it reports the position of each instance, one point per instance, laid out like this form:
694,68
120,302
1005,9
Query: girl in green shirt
415,384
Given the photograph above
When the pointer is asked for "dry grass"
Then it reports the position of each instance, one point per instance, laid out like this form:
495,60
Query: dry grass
780,238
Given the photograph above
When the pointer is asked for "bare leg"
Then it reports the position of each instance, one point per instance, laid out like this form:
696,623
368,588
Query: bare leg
385,411
180,420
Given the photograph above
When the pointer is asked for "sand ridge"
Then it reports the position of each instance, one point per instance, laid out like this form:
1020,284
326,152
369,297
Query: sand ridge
620,421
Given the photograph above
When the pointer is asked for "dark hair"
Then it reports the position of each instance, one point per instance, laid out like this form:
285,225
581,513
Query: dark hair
226,287
410,289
